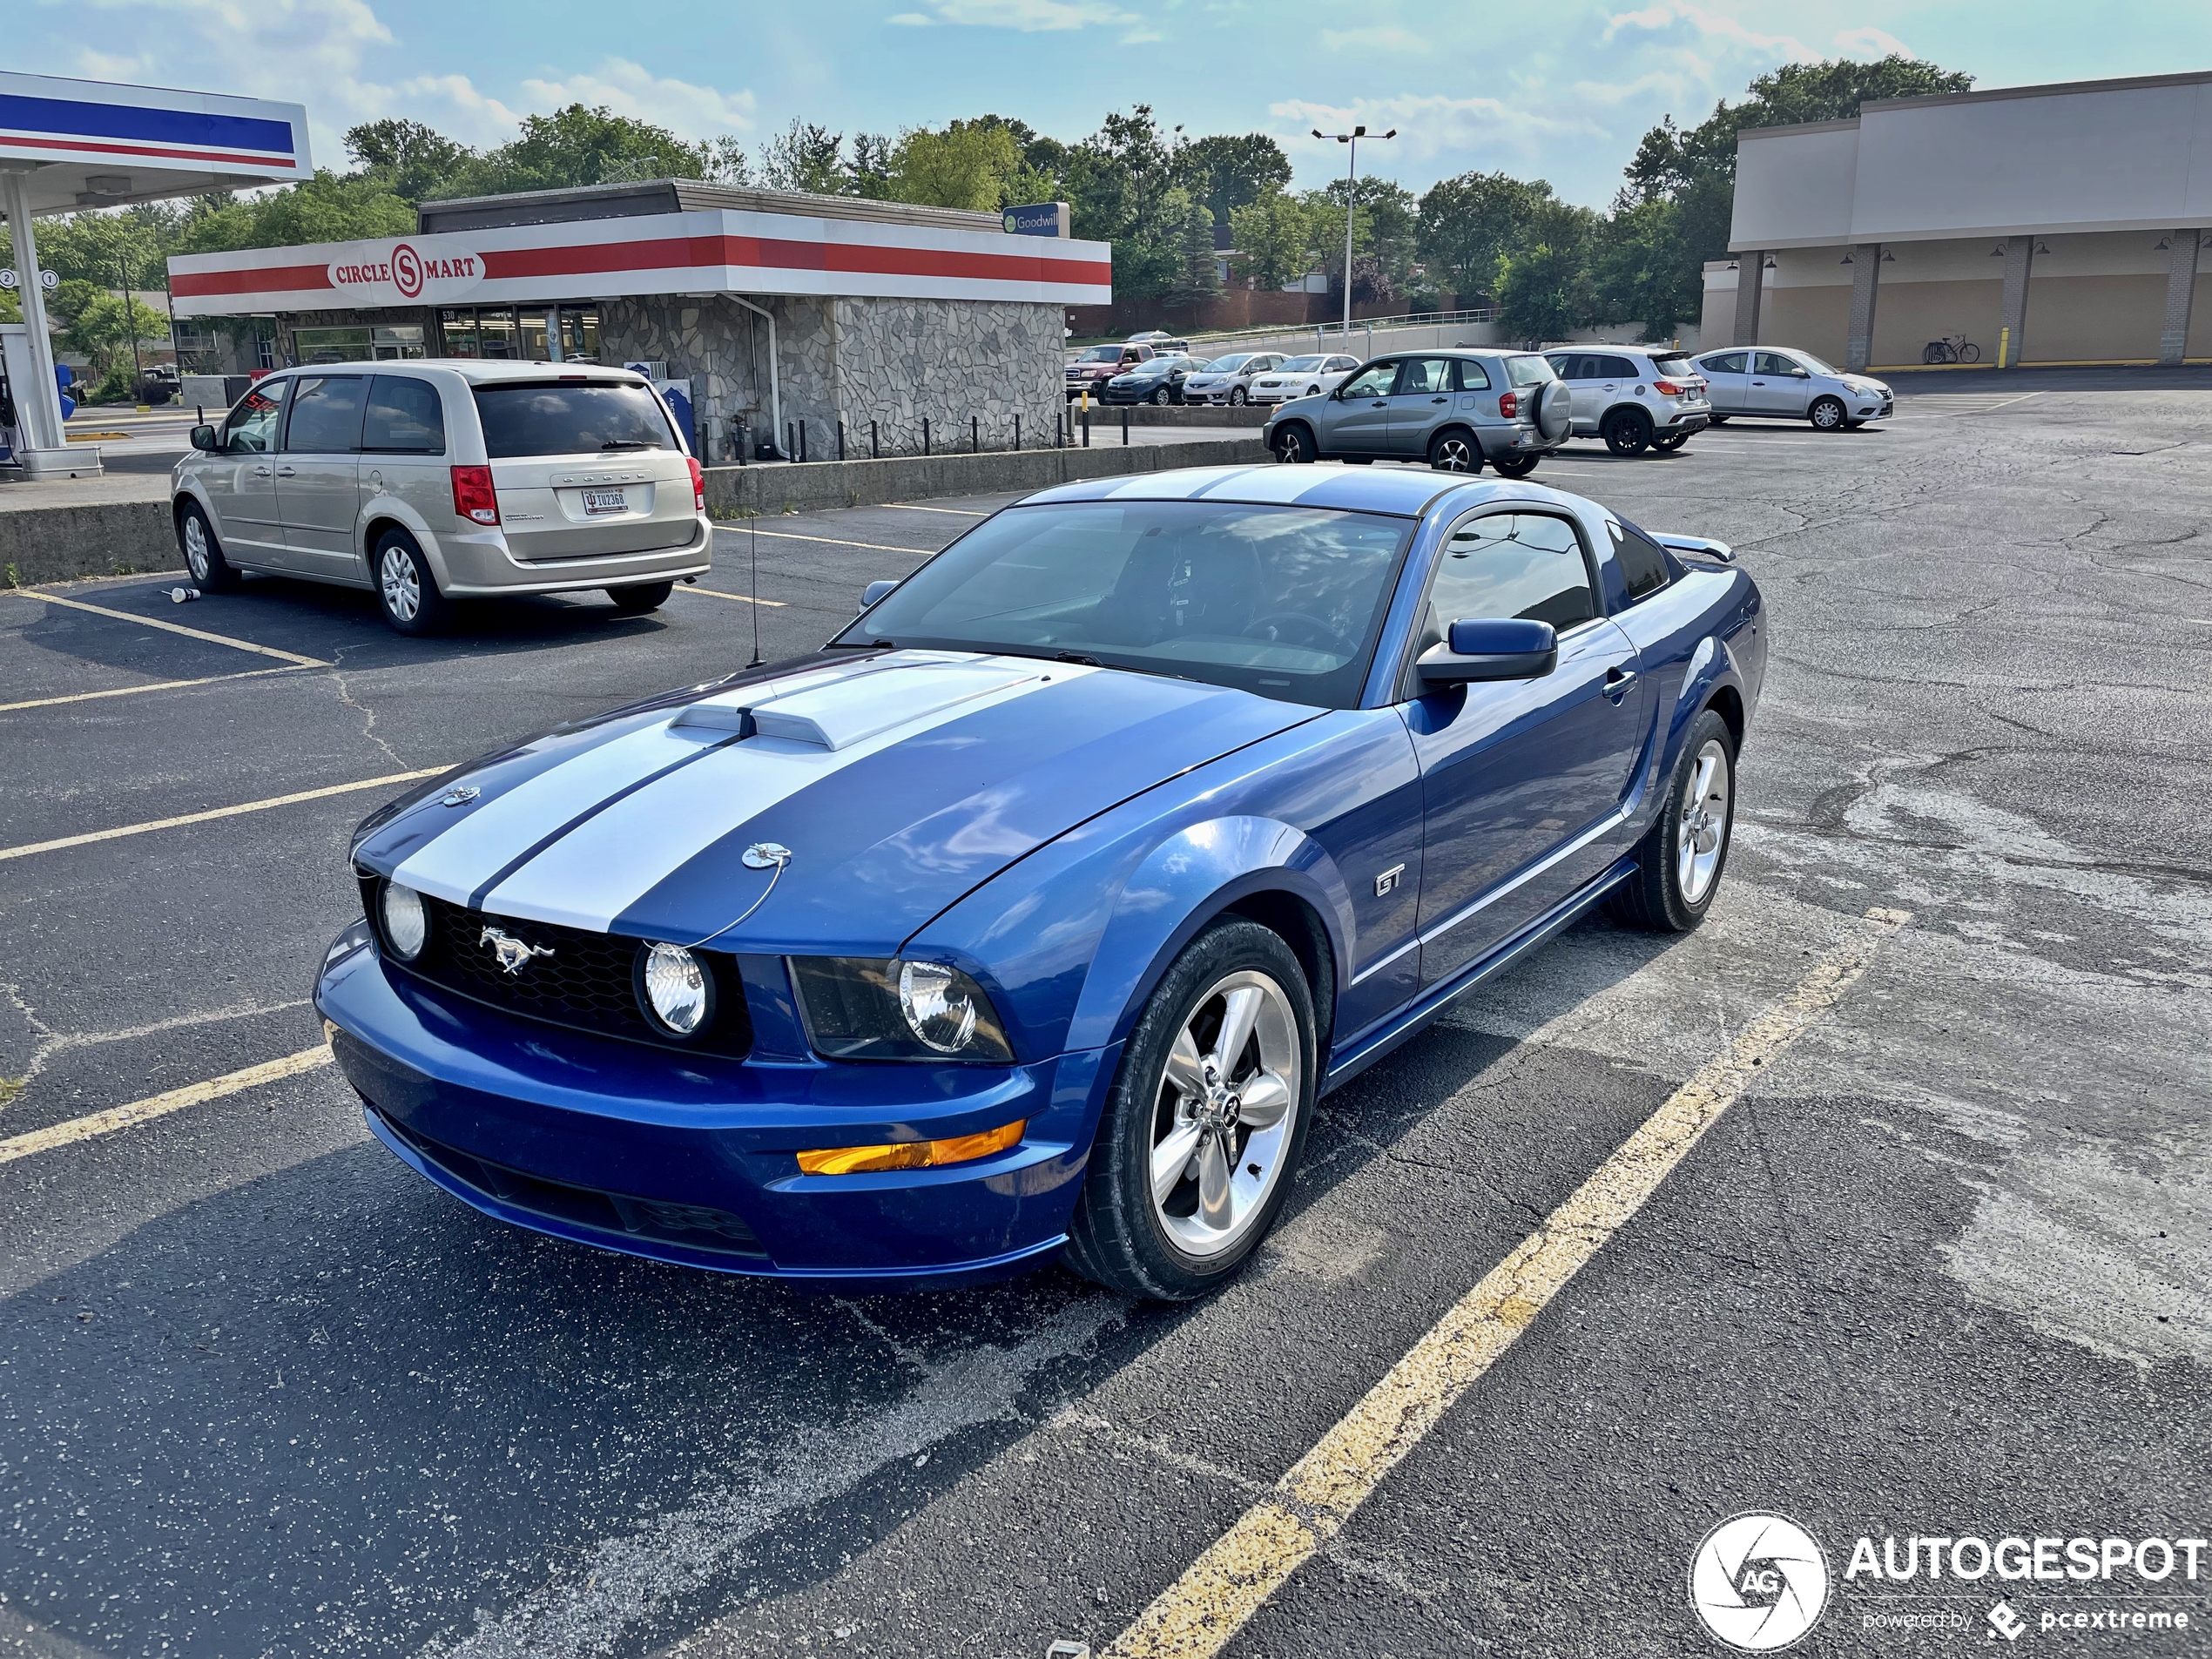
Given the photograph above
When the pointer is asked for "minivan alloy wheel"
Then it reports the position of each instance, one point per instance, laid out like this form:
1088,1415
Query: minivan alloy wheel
402,588
196,559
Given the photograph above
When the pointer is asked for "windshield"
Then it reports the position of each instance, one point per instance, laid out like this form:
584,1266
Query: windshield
1674,368
1300,365
1229,365
1102,354
1528,371
1281,600
1815,364
568,419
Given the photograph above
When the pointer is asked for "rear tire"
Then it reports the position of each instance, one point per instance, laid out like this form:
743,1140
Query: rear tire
1239,1119
406,592
1454,450
644,596
1515,466
1680,859
1827,414
1626,432
211,572
1293,445
1669,443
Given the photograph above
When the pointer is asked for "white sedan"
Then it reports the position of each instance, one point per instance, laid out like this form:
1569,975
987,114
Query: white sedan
1302,377
1784,383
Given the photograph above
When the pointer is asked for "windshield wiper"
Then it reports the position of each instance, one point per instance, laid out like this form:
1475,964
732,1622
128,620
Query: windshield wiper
1076,657
625,443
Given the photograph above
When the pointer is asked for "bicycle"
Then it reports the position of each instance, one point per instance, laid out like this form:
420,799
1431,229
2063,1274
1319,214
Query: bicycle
1952,348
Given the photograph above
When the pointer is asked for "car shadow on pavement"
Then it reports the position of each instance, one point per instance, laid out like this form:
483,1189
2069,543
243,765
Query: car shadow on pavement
355,1405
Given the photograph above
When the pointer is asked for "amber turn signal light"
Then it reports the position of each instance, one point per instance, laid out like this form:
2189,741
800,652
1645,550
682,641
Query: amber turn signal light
911,1155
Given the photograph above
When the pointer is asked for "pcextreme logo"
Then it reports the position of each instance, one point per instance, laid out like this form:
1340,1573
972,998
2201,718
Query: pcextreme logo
1758,1582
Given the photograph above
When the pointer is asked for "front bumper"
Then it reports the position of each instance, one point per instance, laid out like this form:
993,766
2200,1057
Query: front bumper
689,1158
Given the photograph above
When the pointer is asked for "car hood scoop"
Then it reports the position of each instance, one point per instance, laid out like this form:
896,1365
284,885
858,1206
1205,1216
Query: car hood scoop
898,782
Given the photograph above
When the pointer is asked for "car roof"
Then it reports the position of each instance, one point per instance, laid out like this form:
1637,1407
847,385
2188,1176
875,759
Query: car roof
1405,491
476,371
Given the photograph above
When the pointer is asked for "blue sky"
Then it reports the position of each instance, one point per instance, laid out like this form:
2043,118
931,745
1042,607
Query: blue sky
1558,90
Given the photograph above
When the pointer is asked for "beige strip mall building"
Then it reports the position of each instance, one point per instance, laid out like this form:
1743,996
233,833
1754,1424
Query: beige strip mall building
2037,224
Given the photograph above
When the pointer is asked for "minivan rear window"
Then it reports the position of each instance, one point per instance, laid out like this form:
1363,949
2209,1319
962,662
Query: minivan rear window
567,418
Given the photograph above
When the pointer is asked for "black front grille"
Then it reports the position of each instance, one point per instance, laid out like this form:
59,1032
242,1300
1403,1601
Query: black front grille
694,1226
588,983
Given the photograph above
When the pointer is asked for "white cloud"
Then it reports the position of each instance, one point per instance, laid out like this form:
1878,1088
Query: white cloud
1428,125
1871,43
687,110
471,116
1028,16
1717,27
911,19
1382,38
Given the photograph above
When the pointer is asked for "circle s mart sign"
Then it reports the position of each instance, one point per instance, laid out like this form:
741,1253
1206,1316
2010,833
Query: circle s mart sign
396,271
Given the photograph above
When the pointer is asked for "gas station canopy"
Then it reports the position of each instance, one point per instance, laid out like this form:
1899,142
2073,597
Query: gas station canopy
66,146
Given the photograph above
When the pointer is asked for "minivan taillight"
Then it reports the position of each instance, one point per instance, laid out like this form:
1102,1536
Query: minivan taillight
699,484
473,495
1508,405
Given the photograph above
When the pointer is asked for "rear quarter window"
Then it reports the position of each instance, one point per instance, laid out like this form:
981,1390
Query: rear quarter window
570,418
406,417
1644,563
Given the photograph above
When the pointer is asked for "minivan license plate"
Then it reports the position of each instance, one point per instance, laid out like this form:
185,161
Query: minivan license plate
606,500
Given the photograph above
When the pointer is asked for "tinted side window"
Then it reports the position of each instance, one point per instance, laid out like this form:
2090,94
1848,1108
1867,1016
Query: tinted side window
1473,376
1562,364
1511,564
1615,368
1729,362
405,418
251,429
1643,565
326,418
1772,362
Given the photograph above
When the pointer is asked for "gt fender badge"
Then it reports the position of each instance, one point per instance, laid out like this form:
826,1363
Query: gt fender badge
1387,881
514,955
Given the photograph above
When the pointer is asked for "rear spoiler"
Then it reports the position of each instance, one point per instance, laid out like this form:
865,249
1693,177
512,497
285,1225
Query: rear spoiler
1699,545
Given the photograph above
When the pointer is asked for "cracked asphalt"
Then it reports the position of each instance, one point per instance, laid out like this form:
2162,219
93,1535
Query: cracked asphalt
1941,1272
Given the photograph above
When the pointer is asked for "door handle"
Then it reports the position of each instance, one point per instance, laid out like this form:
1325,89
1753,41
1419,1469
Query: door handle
1617,681
286,472
1379,404
1439,400
261,472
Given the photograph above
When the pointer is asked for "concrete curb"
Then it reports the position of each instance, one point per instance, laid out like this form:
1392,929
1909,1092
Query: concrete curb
866,483
1191,415
106,538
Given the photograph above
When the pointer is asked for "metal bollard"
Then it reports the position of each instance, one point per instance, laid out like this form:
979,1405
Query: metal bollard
924,435
744,445
1086,426
1017,435
875,447
976,435
791,443
802,441
1124,423
840,440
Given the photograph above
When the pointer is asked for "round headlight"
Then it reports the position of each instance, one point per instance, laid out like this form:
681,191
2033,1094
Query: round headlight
938,1009
676,989
407,924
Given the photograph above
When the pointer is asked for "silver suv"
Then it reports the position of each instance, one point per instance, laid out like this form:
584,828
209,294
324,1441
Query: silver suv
1454,409
427,483
1635,400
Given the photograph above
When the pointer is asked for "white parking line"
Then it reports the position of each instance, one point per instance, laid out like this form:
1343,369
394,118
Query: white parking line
56,846
716,593
140,1111
176,628
839,540
1196,1616
155,685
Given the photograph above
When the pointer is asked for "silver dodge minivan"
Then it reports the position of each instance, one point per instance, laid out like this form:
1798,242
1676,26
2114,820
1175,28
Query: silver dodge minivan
431,482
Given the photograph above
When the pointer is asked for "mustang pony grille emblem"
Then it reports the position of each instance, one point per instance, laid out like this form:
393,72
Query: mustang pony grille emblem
514,955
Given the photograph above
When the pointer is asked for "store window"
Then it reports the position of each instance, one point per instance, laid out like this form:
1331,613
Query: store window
458,328
525,334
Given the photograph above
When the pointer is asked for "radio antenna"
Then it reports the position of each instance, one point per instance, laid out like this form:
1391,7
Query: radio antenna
753,595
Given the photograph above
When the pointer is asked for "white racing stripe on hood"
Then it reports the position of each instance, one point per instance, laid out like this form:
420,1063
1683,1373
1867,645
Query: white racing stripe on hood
610,862
478,846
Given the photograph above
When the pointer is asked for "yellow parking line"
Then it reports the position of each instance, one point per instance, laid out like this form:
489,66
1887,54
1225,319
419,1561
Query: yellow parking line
176,628
718,593
7,852
140,1111
1196,1616
155,685
839,540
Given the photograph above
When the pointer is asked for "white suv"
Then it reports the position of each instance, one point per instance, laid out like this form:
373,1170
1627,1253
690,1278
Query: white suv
1634,398
426,483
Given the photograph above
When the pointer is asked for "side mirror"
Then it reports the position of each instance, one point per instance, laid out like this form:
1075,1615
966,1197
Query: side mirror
1504,648
203,437
874,591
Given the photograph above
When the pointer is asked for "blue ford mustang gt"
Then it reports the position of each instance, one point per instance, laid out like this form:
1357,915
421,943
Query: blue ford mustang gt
1031,914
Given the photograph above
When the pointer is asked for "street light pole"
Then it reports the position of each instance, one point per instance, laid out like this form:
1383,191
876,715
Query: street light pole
1350,203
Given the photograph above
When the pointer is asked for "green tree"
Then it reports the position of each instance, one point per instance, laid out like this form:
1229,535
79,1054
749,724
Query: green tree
1274,238
329,207
1544,290
579,146
869,174
1238,170
105,326
415,162
1189,222
1639,270
965,166
805,156
1466,223
1388,234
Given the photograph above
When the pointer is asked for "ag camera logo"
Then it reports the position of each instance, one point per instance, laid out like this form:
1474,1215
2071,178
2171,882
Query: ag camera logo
1758,1582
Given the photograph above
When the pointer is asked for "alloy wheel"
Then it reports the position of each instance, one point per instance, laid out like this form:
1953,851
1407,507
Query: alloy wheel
1222,1118
1453,453
402,587
1237,394
196,558
1702,835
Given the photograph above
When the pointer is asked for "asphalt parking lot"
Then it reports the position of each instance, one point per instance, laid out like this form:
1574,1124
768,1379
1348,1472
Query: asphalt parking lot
1940,1271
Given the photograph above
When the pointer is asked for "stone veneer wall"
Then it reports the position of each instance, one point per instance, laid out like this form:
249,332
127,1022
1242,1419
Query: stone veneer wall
893,361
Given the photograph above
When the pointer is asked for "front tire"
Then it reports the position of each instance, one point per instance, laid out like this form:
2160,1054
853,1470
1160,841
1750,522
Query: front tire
1827,414
1293,445
1207,1121
1160,397
636,600
1680,859
1455,450
406,592
1238,397
211,572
